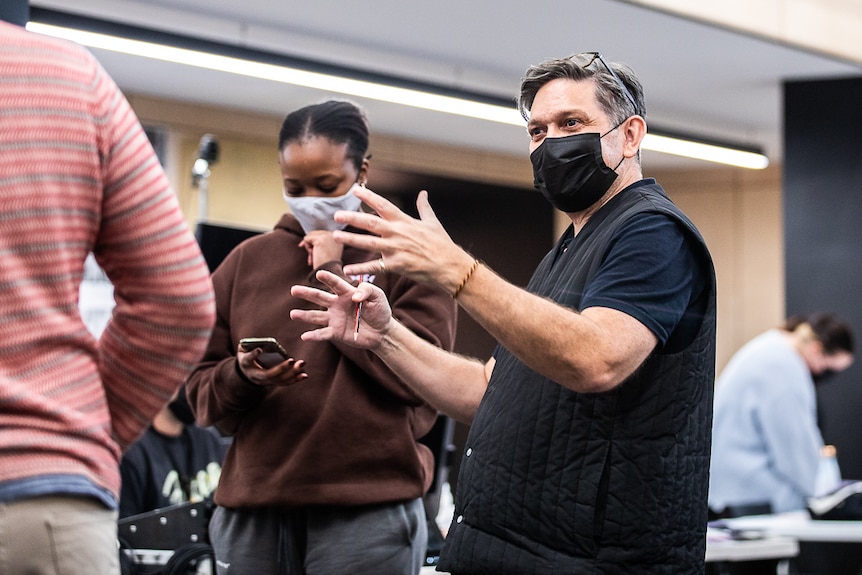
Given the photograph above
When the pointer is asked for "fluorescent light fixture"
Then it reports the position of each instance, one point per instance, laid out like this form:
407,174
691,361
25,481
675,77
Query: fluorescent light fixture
286,75
375,90
691,148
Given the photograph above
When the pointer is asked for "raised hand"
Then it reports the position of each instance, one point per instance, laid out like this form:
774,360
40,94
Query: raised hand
338,319
321,248
420,249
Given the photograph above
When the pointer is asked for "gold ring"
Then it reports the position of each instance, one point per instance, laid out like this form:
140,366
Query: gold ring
382,265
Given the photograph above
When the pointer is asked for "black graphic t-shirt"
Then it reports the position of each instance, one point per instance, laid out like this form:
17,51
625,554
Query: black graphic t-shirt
159,471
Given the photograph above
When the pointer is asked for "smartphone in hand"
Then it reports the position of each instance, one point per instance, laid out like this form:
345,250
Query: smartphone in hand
273,353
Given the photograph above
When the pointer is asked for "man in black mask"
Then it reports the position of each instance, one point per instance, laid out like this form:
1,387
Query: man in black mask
175,461
590,426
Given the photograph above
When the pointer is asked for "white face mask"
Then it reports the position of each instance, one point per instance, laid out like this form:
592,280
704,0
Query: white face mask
316,212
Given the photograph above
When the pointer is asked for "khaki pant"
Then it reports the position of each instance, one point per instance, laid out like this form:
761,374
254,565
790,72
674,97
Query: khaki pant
58,536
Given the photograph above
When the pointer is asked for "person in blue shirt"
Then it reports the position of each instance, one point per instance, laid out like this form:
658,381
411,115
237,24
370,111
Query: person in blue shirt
766,442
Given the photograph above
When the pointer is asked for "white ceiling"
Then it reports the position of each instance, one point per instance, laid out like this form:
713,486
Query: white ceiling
698,79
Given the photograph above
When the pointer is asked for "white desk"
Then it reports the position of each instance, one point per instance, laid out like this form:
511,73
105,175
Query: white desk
800,526
771,547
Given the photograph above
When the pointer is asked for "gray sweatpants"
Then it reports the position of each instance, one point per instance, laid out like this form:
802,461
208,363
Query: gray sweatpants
370,540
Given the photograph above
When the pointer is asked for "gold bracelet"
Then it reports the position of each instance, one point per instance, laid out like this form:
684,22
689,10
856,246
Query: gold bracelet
466,278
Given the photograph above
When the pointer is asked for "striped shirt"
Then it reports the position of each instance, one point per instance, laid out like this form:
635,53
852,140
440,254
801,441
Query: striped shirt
78,175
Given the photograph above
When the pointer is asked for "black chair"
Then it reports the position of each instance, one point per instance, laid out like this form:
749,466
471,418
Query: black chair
439,440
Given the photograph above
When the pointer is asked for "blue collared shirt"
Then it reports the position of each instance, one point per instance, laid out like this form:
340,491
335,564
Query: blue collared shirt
765,443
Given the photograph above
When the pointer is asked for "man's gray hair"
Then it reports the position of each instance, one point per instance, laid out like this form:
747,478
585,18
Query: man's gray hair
611,92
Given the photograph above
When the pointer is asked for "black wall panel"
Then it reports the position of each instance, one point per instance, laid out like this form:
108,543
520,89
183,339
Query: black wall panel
823,235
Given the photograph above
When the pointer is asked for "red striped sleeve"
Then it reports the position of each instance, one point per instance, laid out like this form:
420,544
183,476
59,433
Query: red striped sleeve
77,174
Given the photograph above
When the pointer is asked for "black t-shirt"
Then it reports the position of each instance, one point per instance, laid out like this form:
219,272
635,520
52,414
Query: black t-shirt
647,274
159,471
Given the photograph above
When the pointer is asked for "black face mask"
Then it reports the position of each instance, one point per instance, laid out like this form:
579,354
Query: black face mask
823,376
181,409
570,171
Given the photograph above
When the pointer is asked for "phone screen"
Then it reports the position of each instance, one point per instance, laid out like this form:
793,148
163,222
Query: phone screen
273,353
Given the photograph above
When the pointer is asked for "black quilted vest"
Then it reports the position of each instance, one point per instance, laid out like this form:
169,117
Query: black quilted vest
553,481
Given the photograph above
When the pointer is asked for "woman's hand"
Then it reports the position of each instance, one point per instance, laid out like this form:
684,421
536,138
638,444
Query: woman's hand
288,372
359,316
321,247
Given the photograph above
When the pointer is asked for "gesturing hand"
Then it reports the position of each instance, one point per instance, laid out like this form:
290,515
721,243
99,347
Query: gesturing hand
420,249
338,319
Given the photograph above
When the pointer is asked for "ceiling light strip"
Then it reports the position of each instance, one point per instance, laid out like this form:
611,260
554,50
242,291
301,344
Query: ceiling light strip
703,151
285,75
372,90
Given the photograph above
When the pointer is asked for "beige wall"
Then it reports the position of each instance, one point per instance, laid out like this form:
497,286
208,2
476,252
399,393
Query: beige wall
243,188
738,211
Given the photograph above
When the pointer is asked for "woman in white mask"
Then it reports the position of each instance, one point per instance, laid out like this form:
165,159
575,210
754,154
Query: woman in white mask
325,473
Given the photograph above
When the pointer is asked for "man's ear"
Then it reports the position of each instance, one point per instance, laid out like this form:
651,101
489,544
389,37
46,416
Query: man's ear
634,130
